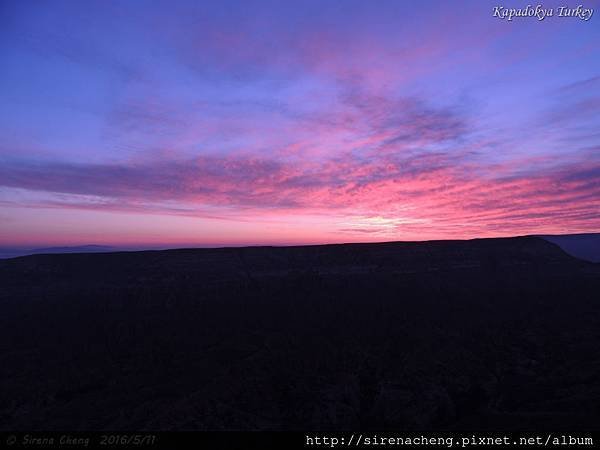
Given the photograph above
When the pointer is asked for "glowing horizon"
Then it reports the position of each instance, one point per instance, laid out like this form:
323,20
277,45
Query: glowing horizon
242,123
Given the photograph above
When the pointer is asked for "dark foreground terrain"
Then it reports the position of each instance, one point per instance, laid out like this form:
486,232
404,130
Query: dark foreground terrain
483,334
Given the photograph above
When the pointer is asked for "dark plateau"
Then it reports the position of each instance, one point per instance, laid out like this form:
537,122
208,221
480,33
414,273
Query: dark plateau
488,334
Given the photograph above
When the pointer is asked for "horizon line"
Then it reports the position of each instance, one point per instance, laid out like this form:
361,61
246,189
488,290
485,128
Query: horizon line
185,246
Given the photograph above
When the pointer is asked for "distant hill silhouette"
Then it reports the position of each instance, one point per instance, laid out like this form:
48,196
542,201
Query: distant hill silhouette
584,246
13,252
75,249
482,334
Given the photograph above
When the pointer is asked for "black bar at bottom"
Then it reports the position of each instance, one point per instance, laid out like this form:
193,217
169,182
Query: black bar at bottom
232,440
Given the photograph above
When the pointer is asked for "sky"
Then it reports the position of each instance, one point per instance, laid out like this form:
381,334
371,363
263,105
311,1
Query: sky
293,122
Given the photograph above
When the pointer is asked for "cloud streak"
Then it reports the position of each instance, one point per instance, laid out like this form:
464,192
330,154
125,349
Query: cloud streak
424,194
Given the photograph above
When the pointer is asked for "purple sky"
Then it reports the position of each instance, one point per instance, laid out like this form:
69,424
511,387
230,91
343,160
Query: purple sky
225,123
